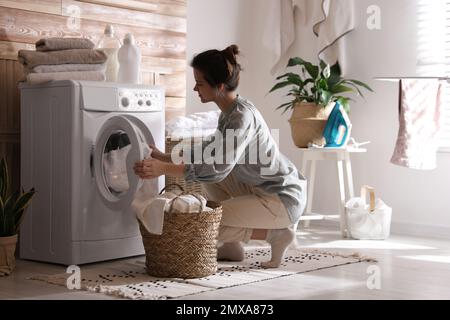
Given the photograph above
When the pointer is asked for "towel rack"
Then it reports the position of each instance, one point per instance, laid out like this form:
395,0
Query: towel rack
417,77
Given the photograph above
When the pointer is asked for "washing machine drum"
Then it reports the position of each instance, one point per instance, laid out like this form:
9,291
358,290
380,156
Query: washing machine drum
121,142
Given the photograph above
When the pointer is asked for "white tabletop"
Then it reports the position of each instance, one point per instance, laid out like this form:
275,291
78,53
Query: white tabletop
346,149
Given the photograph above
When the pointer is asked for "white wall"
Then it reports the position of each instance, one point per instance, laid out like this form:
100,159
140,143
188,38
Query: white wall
419,198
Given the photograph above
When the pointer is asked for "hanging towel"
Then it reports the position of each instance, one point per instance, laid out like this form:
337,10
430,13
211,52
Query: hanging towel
53,44
337,18
279,31
36,78
420,119
31,59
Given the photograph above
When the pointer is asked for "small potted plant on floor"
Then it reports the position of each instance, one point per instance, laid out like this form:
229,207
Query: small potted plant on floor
314,92
12,208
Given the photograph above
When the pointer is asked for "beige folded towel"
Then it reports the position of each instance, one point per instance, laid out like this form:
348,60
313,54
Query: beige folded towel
35,78
65,68
53,44
31,59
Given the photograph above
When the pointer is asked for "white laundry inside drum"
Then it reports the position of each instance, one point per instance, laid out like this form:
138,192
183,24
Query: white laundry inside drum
115,161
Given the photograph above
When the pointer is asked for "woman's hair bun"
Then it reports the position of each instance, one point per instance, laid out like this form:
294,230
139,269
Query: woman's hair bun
233,48
231,52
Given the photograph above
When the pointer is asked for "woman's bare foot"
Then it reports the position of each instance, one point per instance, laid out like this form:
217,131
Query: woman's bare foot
279,240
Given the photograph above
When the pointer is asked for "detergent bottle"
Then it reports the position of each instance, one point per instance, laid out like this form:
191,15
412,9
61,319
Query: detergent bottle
130,61
110,45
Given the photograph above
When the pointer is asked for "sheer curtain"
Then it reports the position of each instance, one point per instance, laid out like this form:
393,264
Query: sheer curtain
433,51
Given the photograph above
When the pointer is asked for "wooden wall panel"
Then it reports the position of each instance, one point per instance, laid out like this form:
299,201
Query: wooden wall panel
117,15
175,107
27,27
175,84
10,73
8,50
44,6
170,8
11,152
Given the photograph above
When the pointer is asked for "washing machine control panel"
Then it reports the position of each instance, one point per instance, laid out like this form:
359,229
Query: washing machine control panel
144,100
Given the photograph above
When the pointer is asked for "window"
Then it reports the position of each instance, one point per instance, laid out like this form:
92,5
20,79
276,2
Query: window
433,48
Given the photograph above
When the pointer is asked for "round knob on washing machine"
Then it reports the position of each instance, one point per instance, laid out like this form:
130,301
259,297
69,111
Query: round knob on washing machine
125,101
148,102
140,102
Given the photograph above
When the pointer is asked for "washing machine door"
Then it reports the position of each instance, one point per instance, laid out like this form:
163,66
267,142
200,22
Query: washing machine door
121,142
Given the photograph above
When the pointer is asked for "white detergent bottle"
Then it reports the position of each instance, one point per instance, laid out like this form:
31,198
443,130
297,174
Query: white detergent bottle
129,61
110,45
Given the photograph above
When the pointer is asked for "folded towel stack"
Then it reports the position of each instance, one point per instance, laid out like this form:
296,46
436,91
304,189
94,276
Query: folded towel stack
63,59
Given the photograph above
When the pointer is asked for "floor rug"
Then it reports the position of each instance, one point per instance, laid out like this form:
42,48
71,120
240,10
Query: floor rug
129,279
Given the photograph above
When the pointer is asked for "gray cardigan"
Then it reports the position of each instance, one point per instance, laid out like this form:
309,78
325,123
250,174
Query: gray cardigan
253,158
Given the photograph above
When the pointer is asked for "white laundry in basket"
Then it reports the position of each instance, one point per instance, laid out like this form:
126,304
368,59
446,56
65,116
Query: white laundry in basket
368,221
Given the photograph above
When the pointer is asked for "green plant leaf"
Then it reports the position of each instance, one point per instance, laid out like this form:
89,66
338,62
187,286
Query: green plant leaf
22,203
325,97
286,75
295,79
284,105
24,200
335,75
2,218
344,102
354,86
280,85
340,89
310,68
4,179
9,204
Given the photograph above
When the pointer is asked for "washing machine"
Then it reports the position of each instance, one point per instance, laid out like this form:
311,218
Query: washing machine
71,134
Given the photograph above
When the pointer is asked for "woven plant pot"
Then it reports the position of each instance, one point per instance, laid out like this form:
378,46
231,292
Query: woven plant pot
7,257
307,123
187,247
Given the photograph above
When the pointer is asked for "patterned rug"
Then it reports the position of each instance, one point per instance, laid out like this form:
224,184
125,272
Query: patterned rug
129,280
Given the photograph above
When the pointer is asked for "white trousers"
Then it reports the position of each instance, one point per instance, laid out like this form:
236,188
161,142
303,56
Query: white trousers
245,208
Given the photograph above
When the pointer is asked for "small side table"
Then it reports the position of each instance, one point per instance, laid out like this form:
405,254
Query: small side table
343,163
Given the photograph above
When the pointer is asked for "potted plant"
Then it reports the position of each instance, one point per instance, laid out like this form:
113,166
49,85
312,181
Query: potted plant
12,207
314,91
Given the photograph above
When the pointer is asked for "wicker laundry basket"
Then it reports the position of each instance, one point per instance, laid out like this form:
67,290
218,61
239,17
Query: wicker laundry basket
188,186
187,247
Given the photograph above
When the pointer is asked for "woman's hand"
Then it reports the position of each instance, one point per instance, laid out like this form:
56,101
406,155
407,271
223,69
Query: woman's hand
149,168
157,154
